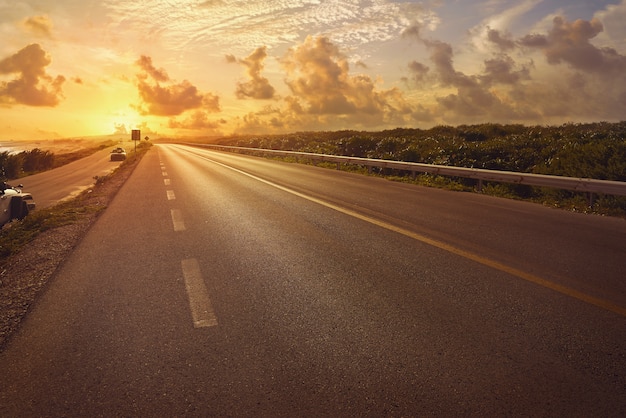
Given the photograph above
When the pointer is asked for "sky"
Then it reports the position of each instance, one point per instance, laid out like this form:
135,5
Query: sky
73,68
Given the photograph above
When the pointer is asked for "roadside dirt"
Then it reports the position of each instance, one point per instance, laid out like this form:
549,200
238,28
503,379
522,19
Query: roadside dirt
24,276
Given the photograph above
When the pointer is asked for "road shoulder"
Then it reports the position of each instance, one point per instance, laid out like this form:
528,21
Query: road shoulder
24,275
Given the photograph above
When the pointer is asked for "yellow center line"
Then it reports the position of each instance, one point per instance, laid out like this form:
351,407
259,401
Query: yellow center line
568,291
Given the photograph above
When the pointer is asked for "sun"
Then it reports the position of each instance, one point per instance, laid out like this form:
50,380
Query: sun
123,121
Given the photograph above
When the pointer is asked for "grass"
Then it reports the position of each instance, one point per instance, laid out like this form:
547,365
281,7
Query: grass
17,234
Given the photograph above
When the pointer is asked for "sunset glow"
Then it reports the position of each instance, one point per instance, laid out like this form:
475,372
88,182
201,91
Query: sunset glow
216,67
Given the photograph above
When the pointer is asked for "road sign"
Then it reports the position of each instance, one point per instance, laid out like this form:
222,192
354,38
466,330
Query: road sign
136,135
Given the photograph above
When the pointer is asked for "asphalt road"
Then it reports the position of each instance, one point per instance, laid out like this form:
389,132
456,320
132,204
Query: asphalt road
67,181
223,285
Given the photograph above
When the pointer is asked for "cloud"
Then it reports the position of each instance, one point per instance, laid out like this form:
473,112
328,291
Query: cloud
493,30
318,75
240,26
257,87
502,69
164,97
474,96
323,92
418,70
273,119
613,18
441,54
569,42
39,25
412,31
579,78
211,3
32,87
145,63
120,129
197,120
503,42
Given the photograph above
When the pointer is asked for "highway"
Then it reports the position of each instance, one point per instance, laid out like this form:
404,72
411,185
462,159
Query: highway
67,181
217,284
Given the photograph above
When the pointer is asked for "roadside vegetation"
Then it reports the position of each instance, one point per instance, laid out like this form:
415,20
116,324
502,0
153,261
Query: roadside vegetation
593,150
32,249
17,234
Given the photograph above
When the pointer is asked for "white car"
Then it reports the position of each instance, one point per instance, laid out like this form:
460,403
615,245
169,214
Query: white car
14,204
118,154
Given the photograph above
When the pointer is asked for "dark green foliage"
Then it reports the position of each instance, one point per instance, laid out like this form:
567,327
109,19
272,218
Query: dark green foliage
37,160
15,165
10,165
593,150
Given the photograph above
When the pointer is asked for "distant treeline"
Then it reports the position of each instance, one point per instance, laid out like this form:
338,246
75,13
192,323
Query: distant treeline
591,150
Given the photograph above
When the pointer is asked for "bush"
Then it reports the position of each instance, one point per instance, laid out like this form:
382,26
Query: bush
593,150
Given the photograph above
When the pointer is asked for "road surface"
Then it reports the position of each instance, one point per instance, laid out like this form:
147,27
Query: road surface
50,187
222,285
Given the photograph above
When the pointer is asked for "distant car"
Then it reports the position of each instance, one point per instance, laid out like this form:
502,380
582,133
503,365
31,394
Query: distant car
118,154
14,204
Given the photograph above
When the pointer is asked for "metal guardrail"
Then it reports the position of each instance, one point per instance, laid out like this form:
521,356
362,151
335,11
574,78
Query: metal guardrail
583,185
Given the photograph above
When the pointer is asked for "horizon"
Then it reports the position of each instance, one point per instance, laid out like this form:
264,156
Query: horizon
204,68
126,137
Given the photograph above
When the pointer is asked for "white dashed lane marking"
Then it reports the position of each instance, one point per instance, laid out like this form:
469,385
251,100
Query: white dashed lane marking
202,312
177,220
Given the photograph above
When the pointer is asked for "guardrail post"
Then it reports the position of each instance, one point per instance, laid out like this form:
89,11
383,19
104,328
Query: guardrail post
479,186
338,166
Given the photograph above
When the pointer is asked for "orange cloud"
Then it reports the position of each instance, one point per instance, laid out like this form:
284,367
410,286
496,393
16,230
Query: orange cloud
318,74
169,99
145,63
32,87
120,129
258,87
325,93
39,25
198,120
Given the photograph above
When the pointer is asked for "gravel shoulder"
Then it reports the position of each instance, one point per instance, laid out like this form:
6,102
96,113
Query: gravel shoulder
25,275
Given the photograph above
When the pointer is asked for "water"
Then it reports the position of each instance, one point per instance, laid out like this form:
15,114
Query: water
12,148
